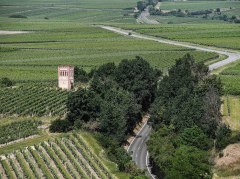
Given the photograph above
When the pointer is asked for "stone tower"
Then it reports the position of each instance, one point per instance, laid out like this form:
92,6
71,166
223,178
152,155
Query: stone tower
65,77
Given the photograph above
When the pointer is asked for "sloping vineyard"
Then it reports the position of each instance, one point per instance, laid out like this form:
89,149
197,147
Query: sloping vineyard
66,157
35,100
19,129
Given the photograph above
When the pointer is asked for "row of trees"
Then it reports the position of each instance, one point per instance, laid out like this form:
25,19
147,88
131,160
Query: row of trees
186,120
141,5
213,14
112,105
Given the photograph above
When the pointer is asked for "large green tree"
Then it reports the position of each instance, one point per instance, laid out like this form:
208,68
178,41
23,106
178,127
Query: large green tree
119,113
138,77
189,162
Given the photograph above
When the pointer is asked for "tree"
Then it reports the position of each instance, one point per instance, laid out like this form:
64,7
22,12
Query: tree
223,135
80,75
141,5
105,71
119,113
138,77
5,82
189,162
60,126
194,136
161,148
83,105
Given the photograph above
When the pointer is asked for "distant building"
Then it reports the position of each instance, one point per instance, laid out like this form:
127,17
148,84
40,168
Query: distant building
65,77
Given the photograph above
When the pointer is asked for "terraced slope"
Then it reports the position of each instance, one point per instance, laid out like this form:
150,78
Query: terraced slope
65,157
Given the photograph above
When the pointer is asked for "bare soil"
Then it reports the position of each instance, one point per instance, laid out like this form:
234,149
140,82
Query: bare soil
229,163
6,32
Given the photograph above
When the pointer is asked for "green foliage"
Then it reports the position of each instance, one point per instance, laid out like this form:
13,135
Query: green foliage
83,105
139,77
60,126
80,75
194,136
5,82
17,16
185,116
17,130
189,162
161,147
223,136
119,113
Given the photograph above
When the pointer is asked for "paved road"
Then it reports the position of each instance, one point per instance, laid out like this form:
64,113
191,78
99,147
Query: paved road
144,18
231,56
138,147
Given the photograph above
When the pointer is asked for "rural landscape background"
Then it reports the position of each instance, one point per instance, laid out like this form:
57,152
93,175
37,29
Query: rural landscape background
82,33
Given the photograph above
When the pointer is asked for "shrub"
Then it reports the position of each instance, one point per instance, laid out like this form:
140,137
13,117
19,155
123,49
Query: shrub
17,16
6,82
60,126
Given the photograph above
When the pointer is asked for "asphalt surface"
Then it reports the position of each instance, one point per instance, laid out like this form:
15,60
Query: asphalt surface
138,148
231,56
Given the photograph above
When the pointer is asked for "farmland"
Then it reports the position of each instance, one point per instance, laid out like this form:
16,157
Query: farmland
19,129
38,100
231,79
35,56
230,111
193,12
68,156
66,32
82,11
227,36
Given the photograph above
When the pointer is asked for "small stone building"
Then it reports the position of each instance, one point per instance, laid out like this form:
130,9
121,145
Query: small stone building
65,76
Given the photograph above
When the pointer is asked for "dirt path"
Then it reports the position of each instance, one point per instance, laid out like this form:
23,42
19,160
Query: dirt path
7,32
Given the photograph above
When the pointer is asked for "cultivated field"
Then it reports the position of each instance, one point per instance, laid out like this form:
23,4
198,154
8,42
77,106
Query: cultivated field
226,8
231,79
231,112
214,34
34,100
84,11
35,56
63,157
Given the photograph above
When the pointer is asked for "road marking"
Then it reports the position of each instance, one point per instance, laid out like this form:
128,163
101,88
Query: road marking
149,171
136,136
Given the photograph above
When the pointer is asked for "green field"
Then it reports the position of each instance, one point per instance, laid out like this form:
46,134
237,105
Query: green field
230,111
88,11
214,34
33,99
69,156
201,5
231,79
227,8
35,56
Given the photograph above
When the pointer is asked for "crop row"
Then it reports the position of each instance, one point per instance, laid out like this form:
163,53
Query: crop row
67,157
17,130
32,100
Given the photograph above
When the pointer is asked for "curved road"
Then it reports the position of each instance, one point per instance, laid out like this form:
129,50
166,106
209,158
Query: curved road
138,147
231,56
